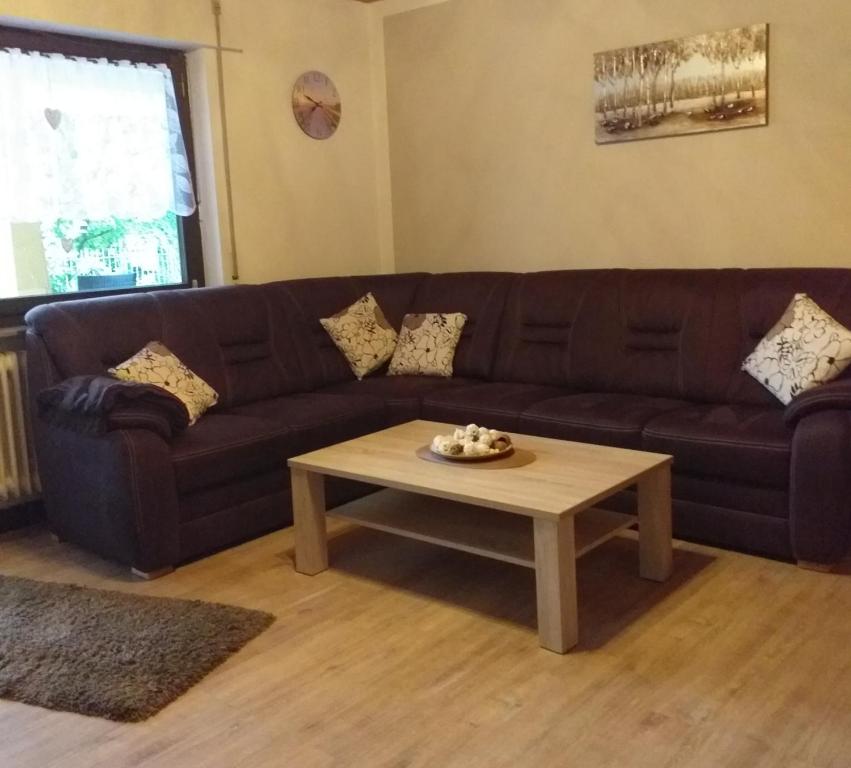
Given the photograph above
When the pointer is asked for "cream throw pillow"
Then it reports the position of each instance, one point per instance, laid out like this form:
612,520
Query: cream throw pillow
806,348
156,364
427,344
362,333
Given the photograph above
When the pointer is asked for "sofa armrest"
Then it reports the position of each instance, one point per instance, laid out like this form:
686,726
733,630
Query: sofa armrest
835,395
114,494
820,487
95,405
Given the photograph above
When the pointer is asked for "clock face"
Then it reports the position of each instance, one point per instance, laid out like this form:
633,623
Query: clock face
316,105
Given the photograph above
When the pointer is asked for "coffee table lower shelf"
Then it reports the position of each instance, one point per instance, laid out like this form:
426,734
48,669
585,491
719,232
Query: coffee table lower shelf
469,528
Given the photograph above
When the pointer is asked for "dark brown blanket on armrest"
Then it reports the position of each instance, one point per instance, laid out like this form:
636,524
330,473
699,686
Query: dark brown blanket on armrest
95,405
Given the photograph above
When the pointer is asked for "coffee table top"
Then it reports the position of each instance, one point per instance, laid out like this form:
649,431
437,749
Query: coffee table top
564,479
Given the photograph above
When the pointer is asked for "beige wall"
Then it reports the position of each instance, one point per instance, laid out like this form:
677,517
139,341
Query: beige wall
379,11
493,161
302,207
185,20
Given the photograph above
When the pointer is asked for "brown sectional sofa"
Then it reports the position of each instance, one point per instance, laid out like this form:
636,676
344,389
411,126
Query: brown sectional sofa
640,359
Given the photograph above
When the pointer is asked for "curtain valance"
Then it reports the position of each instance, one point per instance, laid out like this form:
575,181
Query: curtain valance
83,139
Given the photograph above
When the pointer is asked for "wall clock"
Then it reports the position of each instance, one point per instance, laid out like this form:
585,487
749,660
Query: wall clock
316,105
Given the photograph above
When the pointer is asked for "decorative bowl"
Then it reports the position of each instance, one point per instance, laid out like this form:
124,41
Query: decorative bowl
485,457
472,443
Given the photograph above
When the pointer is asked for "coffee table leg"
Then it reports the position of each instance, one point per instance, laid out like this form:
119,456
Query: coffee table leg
555,577
654,524
311,539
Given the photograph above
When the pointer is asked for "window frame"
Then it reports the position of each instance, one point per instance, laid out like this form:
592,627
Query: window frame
13,309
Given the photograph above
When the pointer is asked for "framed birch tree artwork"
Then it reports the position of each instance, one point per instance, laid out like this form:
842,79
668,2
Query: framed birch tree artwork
711,82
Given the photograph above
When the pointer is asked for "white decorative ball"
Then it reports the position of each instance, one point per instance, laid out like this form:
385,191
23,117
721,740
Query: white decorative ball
471,441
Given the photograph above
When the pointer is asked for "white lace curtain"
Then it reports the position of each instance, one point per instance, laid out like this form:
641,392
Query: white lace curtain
82,139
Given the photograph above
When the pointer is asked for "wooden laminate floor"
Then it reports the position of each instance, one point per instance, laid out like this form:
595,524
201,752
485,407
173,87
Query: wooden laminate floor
405,655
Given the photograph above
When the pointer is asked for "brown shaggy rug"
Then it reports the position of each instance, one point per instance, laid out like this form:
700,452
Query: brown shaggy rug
109,654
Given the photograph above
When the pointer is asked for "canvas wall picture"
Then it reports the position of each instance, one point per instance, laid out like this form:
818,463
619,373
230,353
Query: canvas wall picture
711,82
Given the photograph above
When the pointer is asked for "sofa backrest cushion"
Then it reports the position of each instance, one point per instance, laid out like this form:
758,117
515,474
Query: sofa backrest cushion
538,323
481,297
88,336
239,320
750,302
186,331
394,293
646,332
667,333
222,334
298,305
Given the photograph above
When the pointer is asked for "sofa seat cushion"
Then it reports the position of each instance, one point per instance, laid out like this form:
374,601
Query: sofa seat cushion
402,395
316,420
602,418
496,405
745,443
223,448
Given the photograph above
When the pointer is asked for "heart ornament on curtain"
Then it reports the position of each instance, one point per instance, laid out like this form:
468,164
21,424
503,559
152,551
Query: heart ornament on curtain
53,117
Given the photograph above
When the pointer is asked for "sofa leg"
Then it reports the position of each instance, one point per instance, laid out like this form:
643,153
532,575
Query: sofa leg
808,565
151,575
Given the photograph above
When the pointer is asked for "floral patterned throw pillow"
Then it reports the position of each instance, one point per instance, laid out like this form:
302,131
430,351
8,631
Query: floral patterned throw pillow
427,344
156,364
806,348
362,333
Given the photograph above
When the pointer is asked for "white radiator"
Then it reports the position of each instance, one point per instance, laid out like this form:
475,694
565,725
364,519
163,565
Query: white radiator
18,475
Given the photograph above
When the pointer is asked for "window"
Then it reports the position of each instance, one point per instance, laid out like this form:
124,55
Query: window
96,169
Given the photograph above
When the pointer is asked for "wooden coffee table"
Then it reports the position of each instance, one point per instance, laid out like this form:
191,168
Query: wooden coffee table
488,511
